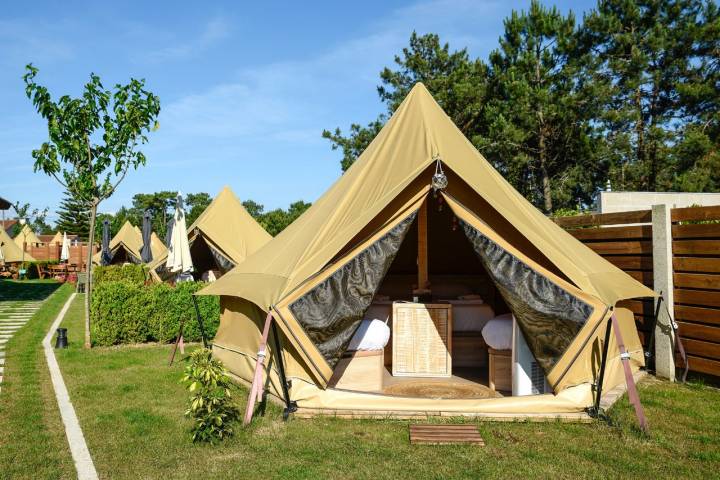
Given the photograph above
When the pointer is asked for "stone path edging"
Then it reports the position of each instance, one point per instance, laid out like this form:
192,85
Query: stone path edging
76,440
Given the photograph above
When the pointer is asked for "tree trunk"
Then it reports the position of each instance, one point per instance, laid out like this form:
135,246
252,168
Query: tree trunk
547,196
89,282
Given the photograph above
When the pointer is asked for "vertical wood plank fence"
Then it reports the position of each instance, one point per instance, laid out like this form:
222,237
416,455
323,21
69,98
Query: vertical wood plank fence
625,239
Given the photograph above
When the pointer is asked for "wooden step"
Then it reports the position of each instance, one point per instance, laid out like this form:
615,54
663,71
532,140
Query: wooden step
444,434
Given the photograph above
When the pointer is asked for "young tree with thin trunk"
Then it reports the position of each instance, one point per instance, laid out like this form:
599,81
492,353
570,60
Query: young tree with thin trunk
93,142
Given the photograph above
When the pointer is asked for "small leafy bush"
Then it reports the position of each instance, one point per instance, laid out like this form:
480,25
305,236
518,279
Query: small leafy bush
115,273
211,405
130,312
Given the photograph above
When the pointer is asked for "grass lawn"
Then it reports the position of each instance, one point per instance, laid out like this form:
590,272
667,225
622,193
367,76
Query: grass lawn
130,407
32,439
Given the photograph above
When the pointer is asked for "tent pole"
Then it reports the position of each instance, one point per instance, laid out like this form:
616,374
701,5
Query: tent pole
631,387
603,362
422,261
256,387
290,406
200,322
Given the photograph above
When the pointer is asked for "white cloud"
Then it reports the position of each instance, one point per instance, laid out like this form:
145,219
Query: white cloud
217,29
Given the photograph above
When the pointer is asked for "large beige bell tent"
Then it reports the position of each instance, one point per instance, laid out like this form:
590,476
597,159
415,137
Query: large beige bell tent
422,283
125,246
220,238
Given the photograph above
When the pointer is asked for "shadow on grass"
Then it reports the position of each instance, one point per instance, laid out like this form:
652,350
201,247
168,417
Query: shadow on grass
12,290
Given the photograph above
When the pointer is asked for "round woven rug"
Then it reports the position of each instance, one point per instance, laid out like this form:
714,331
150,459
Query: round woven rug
440,390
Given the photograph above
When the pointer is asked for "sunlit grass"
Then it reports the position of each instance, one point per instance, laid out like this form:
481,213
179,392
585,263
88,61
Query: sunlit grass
131,408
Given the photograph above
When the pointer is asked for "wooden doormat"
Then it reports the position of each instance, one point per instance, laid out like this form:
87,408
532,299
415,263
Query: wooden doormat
439,434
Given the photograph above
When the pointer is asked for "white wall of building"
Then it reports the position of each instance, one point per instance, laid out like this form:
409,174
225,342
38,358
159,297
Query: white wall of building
609,202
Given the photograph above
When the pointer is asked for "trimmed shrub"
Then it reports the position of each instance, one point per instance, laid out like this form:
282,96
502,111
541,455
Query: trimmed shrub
128,312
115,273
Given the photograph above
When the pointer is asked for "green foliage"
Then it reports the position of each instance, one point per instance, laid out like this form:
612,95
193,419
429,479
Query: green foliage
652,66
73,217
34,217
629,95
211,405
91,171
135,274
275,221
127,311
32,267
161,206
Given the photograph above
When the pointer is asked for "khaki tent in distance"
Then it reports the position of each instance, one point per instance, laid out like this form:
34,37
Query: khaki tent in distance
11,253
381,235
27,236
125,246
220,238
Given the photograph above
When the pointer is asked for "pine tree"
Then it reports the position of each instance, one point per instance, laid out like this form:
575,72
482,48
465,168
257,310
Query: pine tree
649,60
73,217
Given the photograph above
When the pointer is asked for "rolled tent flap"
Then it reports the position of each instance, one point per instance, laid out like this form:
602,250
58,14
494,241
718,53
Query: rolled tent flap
332,310
223,262
548,316
320,316
555,317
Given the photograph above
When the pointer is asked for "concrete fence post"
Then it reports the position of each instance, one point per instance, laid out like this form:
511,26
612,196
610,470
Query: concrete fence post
663,282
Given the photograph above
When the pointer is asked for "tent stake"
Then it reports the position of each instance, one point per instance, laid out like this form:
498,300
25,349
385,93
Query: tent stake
256,388
290,406
631,387
200,322
601,377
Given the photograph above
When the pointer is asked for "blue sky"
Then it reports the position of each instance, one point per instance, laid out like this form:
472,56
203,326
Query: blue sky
246,88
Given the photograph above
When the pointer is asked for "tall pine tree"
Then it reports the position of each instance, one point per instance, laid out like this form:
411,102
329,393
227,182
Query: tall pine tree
73,217
648,60
538,132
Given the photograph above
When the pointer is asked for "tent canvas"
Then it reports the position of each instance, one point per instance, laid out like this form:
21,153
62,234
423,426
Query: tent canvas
346,239
125,246
222,236
11,252
26,235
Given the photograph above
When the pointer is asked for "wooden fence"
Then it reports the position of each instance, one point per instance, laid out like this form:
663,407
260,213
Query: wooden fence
625,239
51,251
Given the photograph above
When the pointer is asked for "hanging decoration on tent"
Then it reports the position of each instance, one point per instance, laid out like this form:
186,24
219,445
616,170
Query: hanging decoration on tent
439,180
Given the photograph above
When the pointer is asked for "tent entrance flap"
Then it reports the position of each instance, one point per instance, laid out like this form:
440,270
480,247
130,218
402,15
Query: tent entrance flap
323,315
550,312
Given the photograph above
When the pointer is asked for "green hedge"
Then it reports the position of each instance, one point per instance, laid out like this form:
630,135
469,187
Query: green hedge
127,312
115,273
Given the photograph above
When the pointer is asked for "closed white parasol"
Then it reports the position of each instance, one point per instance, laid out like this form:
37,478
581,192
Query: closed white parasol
178,259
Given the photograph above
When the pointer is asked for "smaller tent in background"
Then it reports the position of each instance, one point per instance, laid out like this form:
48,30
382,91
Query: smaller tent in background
221,238
126,244
11,253
27,236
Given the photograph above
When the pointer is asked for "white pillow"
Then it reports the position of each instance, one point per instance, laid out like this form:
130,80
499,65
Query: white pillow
370,335
498,332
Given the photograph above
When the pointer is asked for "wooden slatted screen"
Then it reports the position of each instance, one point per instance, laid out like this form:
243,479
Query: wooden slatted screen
696,274
625,240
